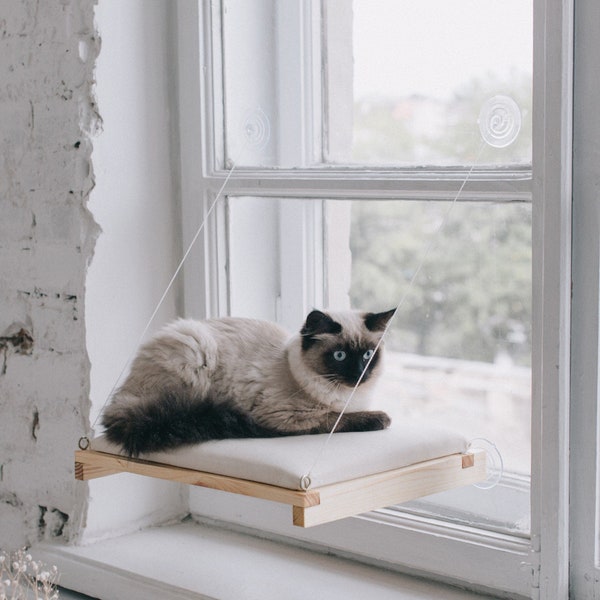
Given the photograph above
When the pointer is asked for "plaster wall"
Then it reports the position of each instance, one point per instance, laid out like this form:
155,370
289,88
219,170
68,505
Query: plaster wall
47,236
135,201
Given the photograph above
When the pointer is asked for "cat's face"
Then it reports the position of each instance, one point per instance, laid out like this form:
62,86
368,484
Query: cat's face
340,346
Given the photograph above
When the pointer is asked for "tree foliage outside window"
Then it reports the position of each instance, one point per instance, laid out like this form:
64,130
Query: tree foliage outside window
471,298
421,130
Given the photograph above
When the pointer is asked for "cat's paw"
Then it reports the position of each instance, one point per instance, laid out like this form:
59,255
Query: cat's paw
374,420
377,420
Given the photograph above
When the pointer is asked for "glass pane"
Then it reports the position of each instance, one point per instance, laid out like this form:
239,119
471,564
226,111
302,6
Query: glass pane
271,82
274,260
459,350
403,83
420,82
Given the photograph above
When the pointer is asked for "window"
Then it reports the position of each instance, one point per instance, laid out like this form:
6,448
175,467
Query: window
341,177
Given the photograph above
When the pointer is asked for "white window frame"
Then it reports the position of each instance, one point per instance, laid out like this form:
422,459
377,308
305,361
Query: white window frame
585,392
485,560
552,179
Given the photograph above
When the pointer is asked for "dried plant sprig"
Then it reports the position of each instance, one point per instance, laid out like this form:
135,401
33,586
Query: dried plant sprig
23,578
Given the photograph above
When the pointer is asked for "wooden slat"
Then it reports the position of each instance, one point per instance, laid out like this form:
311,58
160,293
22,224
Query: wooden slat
96,464
468,460
316,506
84,471
353,497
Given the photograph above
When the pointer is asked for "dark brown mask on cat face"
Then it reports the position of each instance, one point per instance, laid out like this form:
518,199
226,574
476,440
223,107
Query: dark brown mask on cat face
341,350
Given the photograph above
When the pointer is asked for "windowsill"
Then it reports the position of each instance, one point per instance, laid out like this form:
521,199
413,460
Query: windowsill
188,560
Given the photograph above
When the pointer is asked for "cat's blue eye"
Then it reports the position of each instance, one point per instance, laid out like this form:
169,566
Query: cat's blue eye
339,355
367,355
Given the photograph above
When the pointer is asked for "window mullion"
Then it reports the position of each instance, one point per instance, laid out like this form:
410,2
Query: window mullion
297,85
552,135
300,260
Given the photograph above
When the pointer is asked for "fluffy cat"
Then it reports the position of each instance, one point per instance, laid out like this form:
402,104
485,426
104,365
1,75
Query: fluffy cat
229,378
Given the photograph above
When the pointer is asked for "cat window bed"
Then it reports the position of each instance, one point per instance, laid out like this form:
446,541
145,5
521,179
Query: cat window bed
359,471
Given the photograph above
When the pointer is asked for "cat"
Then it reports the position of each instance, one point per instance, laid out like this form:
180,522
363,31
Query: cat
196,381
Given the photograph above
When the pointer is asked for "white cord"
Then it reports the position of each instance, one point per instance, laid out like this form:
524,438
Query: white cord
167,290
306,479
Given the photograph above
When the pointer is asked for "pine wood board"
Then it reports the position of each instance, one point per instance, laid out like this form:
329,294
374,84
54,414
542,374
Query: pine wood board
357,496
90,464
314,506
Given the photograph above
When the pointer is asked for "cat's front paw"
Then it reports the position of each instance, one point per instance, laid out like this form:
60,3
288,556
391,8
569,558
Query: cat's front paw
377,420
374,420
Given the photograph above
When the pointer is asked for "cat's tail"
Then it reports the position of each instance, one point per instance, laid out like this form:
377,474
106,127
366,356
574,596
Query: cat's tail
172,422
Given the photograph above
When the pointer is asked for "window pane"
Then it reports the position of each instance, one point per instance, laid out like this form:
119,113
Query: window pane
271,82
274,260
403,83
413,81
459,350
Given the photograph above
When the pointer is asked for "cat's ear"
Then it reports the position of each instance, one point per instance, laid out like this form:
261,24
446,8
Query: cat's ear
378,321
318,322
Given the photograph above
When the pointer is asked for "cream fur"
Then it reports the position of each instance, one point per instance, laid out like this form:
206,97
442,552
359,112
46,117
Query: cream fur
253,364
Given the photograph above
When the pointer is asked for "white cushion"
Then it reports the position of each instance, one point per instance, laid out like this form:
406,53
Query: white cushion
284,461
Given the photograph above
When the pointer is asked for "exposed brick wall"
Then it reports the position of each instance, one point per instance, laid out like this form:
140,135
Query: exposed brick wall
47,236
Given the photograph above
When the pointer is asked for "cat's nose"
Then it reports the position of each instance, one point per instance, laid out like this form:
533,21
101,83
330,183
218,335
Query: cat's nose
360,367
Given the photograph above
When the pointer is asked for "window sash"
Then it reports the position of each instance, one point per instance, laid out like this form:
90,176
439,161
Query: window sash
390,541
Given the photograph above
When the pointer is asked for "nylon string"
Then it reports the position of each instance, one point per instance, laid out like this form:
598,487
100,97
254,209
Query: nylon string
305,480
166,291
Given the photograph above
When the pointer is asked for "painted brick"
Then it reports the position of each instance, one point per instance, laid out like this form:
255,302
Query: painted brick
47,120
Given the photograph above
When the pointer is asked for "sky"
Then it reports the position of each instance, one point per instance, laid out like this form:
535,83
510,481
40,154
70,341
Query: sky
430,47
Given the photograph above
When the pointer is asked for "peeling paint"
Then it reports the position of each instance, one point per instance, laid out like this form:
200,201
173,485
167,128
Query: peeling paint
36,424
41,520
10,499
51,522
21,341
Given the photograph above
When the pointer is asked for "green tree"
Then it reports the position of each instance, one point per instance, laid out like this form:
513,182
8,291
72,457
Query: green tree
462,139
417,130
471,296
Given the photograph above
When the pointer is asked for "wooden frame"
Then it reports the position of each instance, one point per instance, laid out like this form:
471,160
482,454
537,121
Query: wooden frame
313,506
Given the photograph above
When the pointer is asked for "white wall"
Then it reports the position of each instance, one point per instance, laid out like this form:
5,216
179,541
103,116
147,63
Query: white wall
136,204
